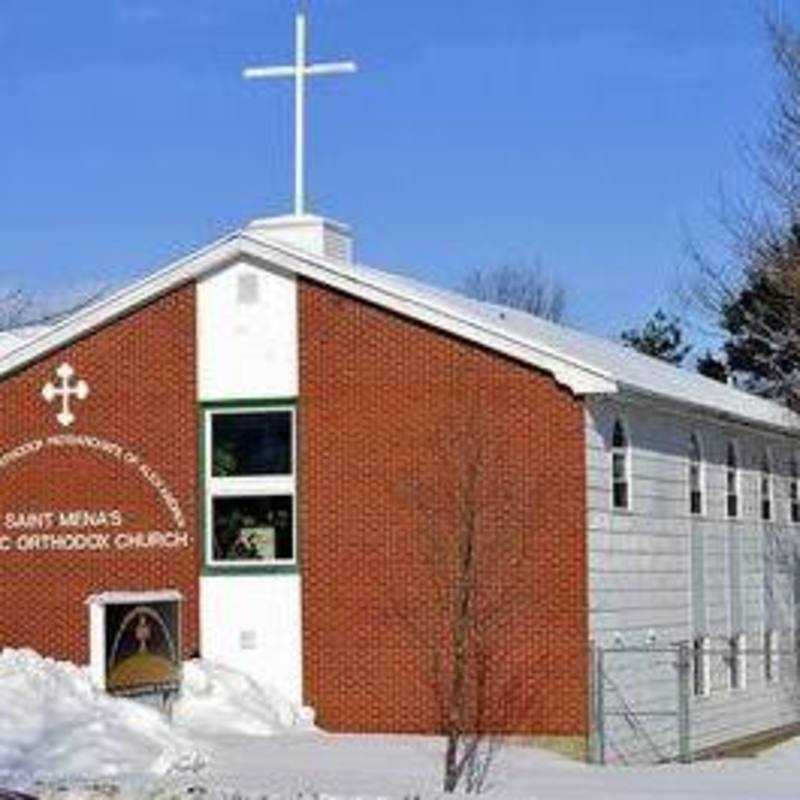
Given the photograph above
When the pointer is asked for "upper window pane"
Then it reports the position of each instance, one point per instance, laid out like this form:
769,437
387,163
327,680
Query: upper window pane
618,438
695,478
251,443
732,481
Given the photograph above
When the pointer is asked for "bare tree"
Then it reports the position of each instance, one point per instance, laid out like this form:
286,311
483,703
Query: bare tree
517,285
752,292
460,537
15,307
19,308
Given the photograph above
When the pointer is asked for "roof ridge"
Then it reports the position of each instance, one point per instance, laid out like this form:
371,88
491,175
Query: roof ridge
582,361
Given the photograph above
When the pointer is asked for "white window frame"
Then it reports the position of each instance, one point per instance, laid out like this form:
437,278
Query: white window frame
247,486
694,436
738,662
626,452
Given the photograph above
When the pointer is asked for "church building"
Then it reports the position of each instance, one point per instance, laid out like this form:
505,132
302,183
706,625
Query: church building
271,436
258,429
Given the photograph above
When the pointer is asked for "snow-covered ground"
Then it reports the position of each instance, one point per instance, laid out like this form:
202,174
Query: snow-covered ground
399,767
54,726
232,738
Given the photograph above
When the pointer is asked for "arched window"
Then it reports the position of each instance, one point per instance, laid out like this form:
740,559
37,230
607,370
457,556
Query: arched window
732,481
695,476
766,488
794,491
619,467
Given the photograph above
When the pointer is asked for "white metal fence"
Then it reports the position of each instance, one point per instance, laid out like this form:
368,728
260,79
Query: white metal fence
681,702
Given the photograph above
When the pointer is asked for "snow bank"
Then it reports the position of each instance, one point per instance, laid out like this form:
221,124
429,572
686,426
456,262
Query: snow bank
217,701
54,724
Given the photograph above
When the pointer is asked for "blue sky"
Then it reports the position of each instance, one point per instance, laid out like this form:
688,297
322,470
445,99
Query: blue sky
588,134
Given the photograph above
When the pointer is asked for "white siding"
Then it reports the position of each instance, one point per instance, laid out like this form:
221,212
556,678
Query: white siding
252,623
657,571
247,350
246,334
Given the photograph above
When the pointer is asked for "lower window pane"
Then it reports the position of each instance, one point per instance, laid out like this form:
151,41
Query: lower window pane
253,528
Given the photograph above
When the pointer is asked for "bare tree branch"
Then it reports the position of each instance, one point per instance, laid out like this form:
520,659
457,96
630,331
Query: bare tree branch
21,309
456,624
752,291
516,285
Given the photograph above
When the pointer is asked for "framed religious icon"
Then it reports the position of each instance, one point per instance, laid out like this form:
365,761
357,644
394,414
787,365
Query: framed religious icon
135,642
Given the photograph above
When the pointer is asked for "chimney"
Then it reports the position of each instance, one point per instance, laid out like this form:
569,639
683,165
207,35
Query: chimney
315,235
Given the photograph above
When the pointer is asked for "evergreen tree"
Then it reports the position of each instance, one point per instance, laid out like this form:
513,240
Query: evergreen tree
762,322
751,289
661,337
712,367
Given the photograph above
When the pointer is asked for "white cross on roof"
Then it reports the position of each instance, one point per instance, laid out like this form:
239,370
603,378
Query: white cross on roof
300,70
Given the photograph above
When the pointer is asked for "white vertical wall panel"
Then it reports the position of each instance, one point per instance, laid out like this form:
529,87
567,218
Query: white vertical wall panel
247,334
252,623
655,538
247,344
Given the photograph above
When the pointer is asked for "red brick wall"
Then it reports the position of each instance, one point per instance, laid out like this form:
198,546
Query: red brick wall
388,407
141,375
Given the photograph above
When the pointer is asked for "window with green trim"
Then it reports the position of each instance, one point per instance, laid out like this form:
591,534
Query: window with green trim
250,486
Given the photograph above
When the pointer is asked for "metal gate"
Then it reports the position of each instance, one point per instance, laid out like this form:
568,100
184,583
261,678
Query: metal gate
640,704
673,703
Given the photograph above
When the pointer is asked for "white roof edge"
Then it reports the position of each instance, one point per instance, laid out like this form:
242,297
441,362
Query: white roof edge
580,378
132,597
783,421
107,309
